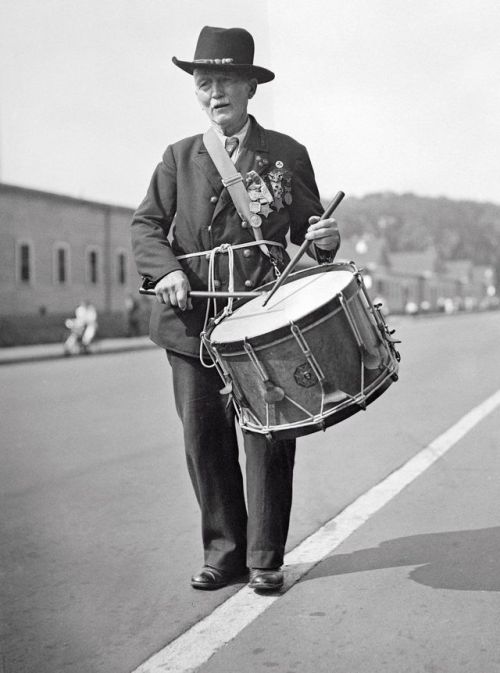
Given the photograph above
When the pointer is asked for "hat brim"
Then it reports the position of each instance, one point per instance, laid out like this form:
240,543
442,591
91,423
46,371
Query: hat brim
262,75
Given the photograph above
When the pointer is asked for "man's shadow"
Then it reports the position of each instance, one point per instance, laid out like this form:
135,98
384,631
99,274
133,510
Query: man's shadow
466,560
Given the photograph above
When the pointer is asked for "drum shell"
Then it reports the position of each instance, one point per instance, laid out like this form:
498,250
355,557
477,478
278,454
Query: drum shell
348,366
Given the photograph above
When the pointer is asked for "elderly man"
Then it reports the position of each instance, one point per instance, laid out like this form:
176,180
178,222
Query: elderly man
178,256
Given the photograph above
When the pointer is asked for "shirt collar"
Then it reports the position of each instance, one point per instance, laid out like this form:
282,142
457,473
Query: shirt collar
240,135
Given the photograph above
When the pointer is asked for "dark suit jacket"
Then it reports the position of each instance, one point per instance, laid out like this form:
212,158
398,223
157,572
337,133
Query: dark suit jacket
186,191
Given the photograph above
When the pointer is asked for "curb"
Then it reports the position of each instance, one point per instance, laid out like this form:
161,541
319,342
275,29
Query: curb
38,353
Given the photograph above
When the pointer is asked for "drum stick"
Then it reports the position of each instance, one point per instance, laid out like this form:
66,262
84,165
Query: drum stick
211,295
304,247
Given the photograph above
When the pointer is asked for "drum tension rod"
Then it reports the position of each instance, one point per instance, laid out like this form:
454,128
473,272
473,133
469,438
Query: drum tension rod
361,402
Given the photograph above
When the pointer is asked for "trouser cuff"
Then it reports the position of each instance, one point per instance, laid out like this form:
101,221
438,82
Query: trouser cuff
265,559
232,563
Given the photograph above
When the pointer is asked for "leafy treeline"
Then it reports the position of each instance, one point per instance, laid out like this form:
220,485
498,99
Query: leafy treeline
458,229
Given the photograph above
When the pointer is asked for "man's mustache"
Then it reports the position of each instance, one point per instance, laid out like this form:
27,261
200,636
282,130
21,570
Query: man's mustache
220,103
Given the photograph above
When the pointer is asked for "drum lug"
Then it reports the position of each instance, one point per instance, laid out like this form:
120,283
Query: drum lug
273,394
370,360
321,425
333,397
227,390
389,338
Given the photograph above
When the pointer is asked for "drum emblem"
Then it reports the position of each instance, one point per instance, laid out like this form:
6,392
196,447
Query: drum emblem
305,376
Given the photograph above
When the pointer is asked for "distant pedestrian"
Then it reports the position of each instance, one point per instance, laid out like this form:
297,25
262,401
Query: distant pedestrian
133,311
83,328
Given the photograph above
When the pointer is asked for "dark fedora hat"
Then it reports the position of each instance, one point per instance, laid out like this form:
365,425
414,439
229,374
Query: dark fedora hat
226,48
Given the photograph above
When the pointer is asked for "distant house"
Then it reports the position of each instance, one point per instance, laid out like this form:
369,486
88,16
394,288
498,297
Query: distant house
416,280
416,263
461,270
367,252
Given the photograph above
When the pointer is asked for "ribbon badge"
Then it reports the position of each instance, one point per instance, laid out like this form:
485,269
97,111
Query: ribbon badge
281,184
260,197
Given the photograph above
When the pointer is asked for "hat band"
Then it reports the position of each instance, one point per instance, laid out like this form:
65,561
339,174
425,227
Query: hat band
214,61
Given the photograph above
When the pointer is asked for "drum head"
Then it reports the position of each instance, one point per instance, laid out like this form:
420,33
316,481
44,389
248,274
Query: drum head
293,300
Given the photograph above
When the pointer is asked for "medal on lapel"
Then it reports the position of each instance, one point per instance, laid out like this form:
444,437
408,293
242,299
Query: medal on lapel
260,197
281,185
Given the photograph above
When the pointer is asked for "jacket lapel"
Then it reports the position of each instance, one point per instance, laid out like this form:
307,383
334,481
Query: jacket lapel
255,151
204,162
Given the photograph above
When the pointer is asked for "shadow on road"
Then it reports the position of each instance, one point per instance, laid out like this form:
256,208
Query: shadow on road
465,560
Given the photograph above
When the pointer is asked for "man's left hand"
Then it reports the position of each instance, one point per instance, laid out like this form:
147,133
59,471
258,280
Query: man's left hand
323,233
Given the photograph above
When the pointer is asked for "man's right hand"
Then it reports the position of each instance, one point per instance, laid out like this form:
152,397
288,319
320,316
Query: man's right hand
174,289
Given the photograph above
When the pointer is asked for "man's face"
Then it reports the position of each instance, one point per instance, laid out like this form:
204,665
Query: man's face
224,96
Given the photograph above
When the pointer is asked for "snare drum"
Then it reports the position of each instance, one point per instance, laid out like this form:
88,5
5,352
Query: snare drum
318,352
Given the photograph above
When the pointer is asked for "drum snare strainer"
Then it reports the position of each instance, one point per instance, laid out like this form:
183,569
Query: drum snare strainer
318,352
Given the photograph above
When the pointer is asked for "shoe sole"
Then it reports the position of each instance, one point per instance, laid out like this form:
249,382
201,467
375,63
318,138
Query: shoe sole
207,587
265,588
210,586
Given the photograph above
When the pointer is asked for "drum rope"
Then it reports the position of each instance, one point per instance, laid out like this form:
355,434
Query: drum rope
211,309
236,246
224,248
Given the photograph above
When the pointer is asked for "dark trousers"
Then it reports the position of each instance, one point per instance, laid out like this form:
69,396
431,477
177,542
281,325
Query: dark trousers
235,534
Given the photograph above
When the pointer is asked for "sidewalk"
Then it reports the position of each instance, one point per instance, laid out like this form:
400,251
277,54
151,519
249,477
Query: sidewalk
17,354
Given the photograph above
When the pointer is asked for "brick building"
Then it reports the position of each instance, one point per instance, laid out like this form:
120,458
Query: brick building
56,250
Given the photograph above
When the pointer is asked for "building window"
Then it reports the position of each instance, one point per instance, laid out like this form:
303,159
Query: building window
122,268
61,263
24,262
93,266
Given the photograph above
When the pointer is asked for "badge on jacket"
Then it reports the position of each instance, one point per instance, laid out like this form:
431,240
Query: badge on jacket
262,199
281,185
260,196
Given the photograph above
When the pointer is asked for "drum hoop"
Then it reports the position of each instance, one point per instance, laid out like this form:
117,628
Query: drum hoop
280,334
316,420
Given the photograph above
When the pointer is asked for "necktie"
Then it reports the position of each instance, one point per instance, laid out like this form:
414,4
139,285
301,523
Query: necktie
231,144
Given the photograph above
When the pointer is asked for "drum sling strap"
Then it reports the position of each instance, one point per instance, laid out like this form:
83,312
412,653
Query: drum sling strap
233,181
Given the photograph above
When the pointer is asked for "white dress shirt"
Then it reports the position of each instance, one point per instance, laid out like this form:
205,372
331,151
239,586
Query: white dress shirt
240,135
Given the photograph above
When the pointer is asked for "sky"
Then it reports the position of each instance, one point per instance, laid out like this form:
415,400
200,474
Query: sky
387,95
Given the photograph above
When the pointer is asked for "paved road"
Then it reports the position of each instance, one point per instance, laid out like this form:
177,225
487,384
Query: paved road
416,589
100,529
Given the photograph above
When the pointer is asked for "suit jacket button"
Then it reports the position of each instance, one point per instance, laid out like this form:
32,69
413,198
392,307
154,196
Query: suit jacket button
249,283
247,252
216,283
213,199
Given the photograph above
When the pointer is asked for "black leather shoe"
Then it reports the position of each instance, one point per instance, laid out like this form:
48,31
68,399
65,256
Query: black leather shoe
213,578
266,579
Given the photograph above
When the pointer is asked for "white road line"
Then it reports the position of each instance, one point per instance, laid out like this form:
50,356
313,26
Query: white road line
194,647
